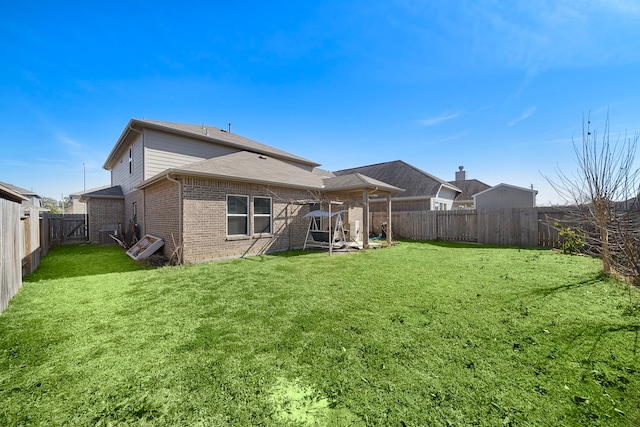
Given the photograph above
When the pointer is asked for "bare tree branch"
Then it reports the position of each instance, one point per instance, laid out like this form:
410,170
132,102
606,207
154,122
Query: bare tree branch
602,195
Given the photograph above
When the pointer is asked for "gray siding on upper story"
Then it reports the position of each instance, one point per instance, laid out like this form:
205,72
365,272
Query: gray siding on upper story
125,177
505,196
154,151
164,151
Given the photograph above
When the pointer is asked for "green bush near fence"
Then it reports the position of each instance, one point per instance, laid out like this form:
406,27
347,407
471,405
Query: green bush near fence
415,334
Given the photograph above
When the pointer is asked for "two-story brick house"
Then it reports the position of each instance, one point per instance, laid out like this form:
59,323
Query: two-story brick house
212,194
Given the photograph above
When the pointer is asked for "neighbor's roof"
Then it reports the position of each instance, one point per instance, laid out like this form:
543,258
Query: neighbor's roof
506,185
209,134
250,167
9,194
469,187
19,190
416,182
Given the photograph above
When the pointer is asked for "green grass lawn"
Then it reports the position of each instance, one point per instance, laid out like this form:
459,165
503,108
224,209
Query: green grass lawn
419,334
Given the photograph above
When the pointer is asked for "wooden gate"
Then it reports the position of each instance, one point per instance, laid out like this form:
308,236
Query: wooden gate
66,229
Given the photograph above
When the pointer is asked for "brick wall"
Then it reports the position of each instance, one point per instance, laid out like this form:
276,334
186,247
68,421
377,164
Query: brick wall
205,220
161,214
103,212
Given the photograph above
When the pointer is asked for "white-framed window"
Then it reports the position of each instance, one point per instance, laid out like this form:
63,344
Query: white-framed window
439,206
130,160
237,215
262,215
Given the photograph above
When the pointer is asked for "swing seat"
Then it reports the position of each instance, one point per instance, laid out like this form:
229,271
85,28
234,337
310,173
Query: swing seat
320,236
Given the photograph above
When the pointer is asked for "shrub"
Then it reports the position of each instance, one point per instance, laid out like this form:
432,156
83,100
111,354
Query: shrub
572,239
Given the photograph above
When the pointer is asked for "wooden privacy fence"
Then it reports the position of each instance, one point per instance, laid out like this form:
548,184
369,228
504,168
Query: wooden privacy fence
26,235
31,249
19,247
10,251
530,227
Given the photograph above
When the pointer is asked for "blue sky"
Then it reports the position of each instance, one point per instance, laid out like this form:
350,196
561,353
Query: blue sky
500,87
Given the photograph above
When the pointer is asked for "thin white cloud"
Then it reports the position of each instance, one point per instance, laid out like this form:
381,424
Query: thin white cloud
453,137
69,142
439,119
523,116
531,73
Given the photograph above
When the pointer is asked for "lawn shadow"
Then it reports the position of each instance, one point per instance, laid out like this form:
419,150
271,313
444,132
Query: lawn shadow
545,292
292,253
312,251
471,245
597,333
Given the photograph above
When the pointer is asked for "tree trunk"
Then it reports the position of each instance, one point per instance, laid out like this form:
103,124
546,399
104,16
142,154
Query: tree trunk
606,256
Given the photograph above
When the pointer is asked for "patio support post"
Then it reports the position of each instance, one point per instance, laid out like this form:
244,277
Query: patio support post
331,237
365,219
389,237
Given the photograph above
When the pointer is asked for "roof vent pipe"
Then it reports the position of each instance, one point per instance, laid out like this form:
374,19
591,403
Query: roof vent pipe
229,127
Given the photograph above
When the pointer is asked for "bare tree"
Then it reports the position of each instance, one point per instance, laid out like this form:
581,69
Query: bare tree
602,196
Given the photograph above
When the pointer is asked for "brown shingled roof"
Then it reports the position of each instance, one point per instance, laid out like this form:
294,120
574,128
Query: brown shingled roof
105,193
204,133
257,168
415,182
469,187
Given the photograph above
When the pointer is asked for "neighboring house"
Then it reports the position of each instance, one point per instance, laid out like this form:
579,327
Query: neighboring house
469,187
31,198
77,206
505,196
212,194
106,211
8,192
422,191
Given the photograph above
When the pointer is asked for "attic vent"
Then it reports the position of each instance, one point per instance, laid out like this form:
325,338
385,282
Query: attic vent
262,157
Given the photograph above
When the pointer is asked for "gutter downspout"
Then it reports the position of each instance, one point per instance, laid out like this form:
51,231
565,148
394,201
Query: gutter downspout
179,243
144,222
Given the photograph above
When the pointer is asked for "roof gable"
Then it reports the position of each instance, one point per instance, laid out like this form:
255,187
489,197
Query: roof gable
469,187
497,187
415,182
